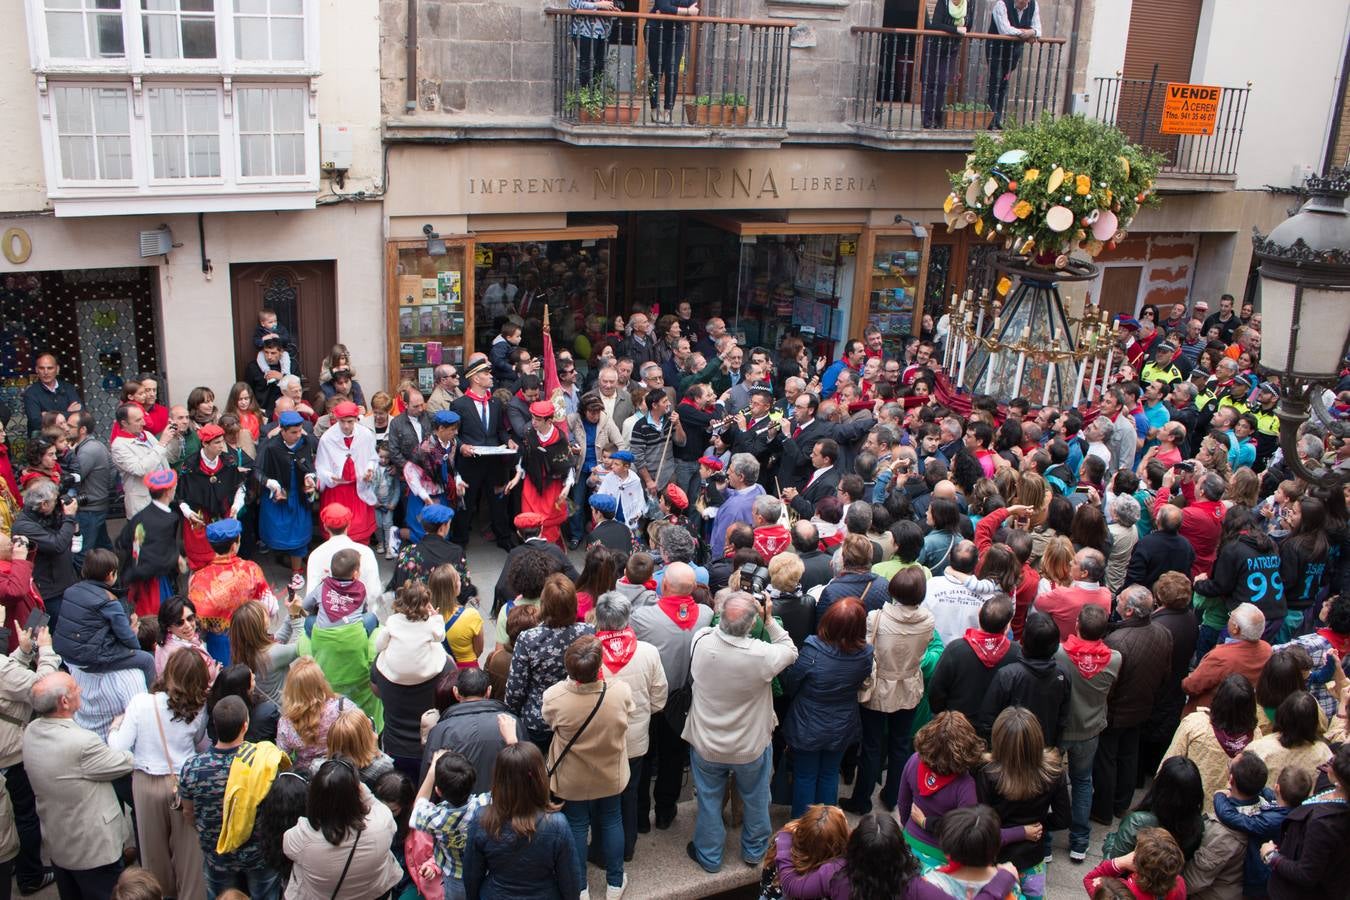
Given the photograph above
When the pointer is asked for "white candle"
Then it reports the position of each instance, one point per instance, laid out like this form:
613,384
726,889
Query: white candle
979,322
1017,376
961,370
1049,376
1092,379
989,372
1106,369
1078,382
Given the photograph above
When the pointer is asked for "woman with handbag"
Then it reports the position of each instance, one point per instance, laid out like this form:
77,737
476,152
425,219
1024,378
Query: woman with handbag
823,719
340,848
162,729
537,662
900,633
588,760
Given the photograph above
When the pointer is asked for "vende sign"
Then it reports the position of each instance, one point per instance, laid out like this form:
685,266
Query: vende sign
1190,109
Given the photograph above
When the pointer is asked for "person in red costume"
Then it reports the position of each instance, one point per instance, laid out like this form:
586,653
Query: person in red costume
210,487
345,465
545,471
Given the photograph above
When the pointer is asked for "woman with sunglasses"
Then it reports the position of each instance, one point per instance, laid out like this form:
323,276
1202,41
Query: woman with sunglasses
178,631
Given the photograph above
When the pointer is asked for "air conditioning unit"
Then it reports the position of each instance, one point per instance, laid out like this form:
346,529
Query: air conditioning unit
156,243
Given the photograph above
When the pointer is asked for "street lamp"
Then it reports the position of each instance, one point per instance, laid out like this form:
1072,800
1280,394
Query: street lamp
1305,307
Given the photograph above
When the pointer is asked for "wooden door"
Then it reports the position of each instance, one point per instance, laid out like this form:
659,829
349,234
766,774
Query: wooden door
304,295
1120,289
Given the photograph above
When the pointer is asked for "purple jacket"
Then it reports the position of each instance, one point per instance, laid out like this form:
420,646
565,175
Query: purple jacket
830,882
736,508
960,792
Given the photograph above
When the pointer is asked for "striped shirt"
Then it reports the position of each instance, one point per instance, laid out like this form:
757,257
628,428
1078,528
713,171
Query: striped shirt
104,696
449,829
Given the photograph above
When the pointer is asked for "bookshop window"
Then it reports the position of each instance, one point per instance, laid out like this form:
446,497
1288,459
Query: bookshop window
893,300
431,323
792,283
571,278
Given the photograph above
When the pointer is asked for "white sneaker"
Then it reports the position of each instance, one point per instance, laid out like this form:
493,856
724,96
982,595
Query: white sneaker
1077,856
615,893
585,894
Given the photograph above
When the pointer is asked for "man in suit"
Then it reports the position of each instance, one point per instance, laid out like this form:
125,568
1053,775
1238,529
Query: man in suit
824,481
753,432
408,429
72,772
618,404
47,394
482,423
800,433
530,528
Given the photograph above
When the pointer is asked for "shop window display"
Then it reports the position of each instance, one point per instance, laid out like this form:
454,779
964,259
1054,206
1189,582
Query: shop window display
431,317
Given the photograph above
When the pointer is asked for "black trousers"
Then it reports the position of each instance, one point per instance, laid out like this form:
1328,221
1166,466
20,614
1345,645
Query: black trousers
481,492
590,59
28,867
87,884
1000,73
939,55
665,46
1113,771
667,755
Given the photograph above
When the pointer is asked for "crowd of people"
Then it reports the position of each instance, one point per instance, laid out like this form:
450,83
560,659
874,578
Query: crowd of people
760,574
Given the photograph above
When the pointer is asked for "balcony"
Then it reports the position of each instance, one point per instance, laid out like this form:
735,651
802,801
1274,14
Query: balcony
1135,106
668,80
920,87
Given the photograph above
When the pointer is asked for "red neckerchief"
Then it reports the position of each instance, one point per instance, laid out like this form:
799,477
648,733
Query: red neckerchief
1090,657
649,584
931,782
683,611
771,540
617,647
520,395
119,432
1339,642
209,469
554,436
989,648
477,398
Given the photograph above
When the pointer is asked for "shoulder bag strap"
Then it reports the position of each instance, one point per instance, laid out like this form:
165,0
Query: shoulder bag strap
567,748
164,741
867,590
345,866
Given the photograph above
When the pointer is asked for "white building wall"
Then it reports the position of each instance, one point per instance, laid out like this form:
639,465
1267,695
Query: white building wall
1292,56
196,312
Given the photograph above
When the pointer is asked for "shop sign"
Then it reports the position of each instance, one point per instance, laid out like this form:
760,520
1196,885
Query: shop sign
1190,108
482,257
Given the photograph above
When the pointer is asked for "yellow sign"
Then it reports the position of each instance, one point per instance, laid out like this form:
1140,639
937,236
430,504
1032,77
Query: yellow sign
1190,108
848,248
17,246
482,257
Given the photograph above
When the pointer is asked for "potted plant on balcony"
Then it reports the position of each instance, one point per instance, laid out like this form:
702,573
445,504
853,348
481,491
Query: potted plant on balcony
968,116
598,104
718,109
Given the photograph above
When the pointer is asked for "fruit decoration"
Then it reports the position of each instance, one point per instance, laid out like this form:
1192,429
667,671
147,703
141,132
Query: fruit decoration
1096,184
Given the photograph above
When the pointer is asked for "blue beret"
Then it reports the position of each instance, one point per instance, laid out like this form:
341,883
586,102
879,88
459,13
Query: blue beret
623,456
224,530
446,417
604,503
290,418
436,514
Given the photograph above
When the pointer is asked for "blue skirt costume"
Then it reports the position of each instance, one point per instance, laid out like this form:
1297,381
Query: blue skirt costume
286,526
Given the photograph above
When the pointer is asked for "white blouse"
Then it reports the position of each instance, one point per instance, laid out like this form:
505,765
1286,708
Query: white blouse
138,733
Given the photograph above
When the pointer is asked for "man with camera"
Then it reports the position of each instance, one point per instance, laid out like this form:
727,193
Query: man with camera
730,725
137,453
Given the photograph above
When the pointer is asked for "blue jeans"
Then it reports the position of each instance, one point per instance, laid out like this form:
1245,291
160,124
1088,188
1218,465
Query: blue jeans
1080,755
815,778
576,522
263,883
93,533
891,750
710,783
609,826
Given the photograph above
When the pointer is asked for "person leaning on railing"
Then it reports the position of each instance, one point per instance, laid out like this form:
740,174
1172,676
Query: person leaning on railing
665,46
591,35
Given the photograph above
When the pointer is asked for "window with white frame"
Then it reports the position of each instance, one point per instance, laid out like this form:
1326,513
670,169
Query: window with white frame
93,132
84,29
184,132
178,29
269,30
271,131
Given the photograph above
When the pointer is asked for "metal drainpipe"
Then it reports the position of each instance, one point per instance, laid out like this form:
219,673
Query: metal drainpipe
1072,62
410,45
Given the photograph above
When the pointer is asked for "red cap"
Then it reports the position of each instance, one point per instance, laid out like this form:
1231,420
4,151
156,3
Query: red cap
676,496
346,410
335,515
208,433
542,408
529,520
711,462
